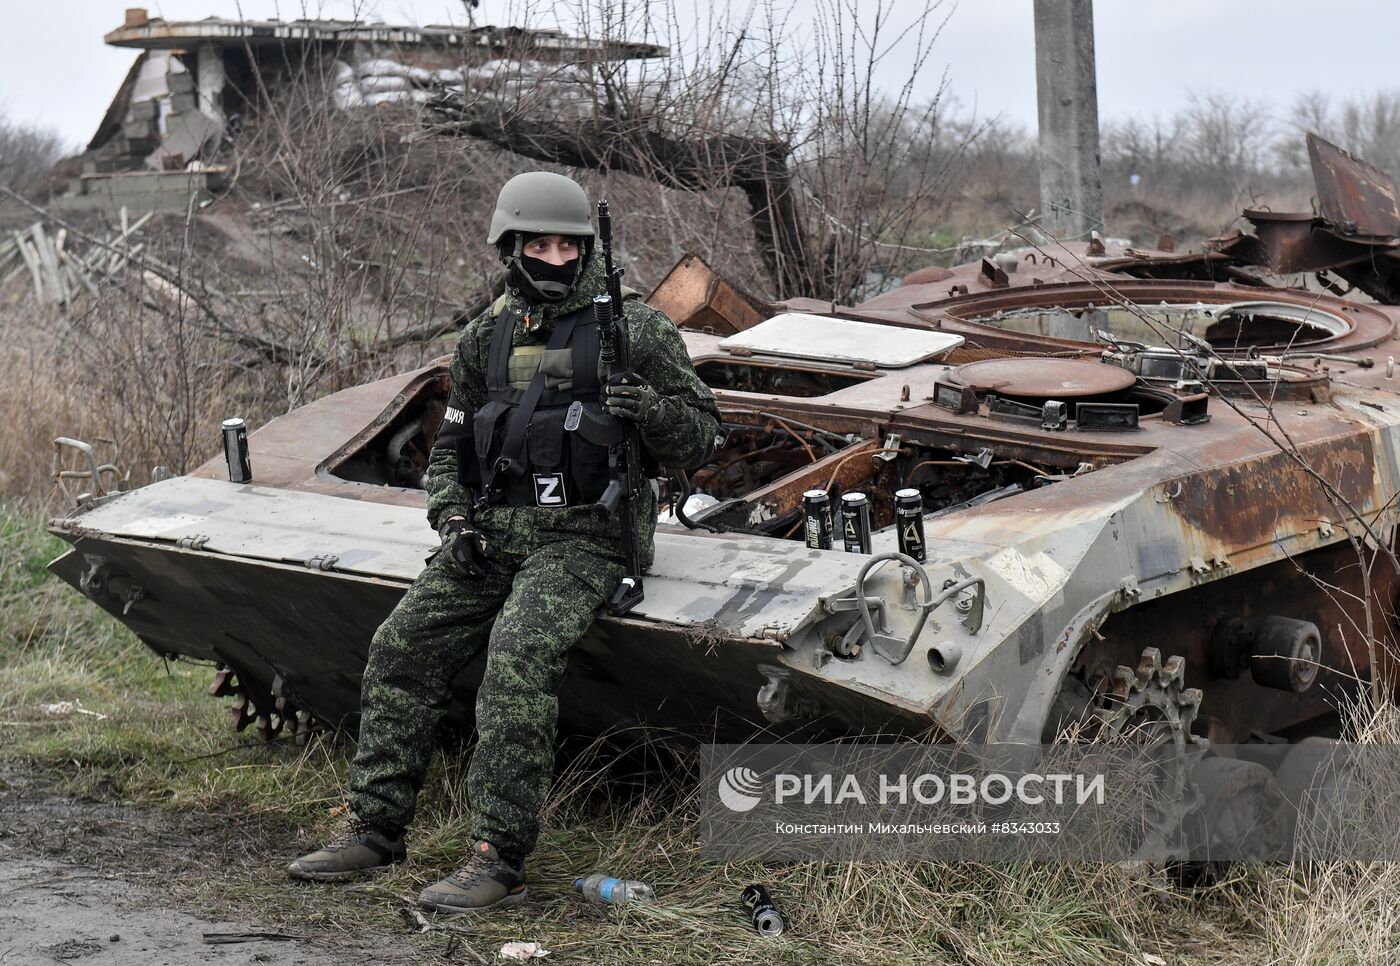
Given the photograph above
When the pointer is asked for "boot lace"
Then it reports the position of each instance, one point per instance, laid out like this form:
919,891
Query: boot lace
354,834
473,871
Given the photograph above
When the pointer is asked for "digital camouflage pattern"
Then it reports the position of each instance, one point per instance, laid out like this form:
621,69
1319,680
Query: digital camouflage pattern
546,599
553,568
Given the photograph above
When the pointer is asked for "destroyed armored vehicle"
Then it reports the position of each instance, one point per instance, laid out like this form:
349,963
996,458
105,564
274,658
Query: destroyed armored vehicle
1152,486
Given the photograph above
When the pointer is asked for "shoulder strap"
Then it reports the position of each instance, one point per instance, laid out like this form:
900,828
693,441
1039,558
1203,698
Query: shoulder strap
585,361
498,355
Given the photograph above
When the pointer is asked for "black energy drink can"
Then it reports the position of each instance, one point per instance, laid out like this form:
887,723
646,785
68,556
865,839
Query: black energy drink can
766,918
855,522
236,450
909,522
816,513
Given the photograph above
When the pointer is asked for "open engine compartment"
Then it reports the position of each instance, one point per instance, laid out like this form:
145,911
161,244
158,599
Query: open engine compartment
754,481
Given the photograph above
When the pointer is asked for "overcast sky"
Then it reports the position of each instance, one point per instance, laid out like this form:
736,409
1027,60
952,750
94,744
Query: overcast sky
54,68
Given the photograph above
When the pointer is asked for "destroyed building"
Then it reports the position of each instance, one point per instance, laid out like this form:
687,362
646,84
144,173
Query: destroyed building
195,83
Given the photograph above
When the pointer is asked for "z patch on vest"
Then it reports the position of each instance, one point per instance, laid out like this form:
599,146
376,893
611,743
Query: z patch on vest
549,490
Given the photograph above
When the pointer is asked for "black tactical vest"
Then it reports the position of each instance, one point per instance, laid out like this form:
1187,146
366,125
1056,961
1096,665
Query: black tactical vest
524,456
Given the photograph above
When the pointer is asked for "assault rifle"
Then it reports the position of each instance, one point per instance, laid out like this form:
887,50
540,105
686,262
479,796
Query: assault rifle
623,495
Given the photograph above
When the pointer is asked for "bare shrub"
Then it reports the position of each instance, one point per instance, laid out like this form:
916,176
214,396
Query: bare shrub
836,171
27,151
1367,126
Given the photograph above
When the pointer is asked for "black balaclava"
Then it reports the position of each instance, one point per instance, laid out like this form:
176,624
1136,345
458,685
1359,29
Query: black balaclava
538,281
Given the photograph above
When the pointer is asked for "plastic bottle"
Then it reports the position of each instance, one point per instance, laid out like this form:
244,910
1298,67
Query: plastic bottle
605,888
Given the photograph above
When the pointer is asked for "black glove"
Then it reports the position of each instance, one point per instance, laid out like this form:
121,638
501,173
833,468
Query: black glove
629,396
466,548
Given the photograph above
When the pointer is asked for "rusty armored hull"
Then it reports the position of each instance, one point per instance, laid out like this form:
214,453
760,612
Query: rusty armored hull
1153,484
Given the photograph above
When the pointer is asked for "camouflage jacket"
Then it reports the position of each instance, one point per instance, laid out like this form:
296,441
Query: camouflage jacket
684,439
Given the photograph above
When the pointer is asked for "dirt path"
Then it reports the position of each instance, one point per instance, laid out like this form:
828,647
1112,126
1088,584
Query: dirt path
109,885
68,914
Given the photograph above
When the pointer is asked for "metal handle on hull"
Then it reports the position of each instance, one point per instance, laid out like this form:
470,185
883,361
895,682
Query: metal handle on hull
972,620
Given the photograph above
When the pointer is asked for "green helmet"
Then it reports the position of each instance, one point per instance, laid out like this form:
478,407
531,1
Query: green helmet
541,203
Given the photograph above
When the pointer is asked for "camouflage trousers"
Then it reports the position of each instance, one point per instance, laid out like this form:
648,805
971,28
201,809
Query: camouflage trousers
527,611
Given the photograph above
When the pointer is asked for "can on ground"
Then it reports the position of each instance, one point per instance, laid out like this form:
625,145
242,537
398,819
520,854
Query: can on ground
767,921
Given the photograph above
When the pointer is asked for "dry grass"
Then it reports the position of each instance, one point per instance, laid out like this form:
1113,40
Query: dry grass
38,402
1343,912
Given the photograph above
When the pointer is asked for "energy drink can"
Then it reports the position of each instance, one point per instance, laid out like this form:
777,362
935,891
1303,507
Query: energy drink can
766,918
909,522
855,522
236,450
816,512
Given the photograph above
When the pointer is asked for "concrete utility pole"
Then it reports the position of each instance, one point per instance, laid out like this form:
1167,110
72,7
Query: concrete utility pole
1071,192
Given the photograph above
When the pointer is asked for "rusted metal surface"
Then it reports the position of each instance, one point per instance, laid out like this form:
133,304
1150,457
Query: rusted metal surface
1354,235
1355,197
1287,243
927,275
695,296
846,469
1369,324
1246,504
992,275
1044,378
1235,708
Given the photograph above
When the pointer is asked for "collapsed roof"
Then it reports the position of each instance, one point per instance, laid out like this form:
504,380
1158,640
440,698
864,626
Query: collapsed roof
195,81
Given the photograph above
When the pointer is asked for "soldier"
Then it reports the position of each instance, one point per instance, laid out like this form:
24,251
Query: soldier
525,560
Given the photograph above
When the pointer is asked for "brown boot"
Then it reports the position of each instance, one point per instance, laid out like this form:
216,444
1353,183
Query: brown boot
362,849
486,881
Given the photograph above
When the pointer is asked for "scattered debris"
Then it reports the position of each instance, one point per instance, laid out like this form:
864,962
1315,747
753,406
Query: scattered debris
65,708
70,949
57,270
414,919
228,938
617,892
519,950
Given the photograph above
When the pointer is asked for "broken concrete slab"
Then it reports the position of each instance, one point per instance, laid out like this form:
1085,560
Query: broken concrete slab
143,190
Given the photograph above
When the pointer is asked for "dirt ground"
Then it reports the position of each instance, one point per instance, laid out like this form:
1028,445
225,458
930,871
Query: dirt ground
110,885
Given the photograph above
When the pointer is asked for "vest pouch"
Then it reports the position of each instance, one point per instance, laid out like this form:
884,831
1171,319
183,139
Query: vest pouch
546,440
488,430
589,462
558,368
